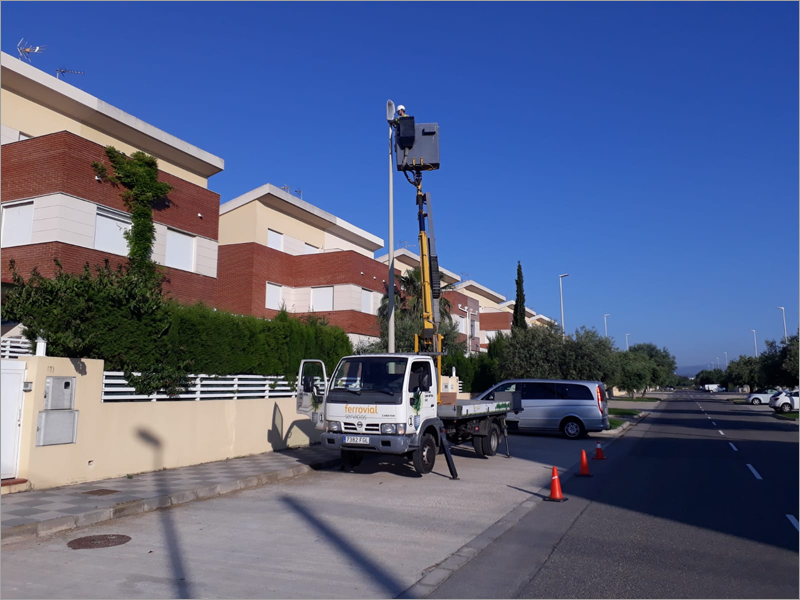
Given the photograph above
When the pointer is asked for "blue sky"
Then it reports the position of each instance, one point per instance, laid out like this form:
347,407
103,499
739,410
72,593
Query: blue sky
648,149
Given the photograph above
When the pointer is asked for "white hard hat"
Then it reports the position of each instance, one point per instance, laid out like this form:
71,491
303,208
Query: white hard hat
401,107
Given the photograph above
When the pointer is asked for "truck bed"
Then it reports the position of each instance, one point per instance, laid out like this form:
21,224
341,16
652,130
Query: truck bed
465,409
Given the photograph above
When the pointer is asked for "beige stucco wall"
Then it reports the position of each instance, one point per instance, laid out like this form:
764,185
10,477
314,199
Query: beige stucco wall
249,223
483,301
34,119
112,437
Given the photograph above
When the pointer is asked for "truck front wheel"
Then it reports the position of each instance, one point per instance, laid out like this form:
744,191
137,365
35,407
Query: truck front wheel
424,457
350,459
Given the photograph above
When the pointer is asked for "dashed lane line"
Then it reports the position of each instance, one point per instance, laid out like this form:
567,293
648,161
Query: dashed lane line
793,521
720,431
754,472
735,449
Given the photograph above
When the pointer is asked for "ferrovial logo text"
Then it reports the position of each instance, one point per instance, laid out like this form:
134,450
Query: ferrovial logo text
349,409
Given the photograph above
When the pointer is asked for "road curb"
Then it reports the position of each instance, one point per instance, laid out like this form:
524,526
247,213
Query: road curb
441,572
20,533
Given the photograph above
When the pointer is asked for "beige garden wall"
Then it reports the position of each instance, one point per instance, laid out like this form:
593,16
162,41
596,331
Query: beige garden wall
116,439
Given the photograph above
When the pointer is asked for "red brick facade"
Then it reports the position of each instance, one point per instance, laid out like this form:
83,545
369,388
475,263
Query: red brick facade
62,162
244,269
491,321
187,288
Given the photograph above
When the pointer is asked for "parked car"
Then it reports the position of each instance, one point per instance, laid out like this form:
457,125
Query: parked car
785,401
761,396
572,407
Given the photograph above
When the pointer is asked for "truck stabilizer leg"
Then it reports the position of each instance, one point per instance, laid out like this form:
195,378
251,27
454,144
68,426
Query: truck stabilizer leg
448,457
505,437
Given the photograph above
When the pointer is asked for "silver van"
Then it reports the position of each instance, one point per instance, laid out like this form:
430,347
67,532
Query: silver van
572,407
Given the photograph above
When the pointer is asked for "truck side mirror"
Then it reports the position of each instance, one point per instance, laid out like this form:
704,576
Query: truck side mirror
308,384
425,382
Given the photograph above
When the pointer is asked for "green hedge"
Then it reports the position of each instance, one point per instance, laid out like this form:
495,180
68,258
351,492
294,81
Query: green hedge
225,344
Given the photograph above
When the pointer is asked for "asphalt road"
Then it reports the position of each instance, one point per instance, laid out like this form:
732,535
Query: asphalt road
698,501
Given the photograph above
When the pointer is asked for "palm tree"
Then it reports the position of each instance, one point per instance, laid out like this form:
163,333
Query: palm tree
410,297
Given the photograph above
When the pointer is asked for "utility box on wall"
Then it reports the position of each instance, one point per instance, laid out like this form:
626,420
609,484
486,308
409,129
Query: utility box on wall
58,422
423,153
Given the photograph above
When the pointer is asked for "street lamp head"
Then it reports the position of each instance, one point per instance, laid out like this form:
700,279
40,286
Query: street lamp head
389,111
780,308
607,315
564,275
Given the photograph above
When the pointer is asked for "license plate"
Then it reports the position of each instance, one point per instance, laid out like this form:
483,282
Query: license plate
352,439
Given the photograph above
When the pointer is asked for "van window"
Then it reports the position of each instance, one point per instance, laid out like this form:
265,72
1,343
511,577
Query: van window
506,387
573,391
538,390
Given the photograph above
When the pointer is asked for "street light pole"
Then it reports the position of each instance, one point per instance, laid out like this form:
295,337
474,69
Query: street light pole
785,336
718,363
561,292
390,278
726,360
755,344
605,321
626,341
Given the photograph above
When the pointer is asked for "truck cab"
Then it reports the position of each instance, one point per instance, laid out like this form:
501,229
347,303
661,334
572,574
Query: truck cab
377,403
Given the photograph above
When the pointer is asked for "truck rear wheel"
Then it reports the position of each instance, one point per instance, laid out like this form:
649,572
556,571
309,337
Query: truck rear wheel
492,441
424,457
477,443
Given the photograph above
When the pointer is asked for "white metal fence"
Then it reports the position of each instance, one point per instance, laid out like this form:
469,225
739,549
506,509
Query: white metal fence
12,347
203,387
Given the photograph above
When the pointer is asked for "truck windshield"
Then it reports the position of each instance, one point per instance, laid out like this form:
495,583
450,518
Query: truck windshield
369,380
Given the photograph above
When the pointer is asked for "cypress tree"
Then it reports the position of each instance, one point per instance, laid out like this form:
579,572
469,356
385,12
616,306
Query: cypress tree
519,303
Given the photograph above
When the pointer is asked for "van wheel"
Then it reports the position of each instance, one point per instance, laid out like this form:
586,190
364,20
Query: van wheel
573,429
492,441
424,457
351,459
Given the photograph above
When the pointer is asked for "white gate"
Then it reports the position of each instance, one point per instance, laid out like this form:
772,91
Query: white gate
12,376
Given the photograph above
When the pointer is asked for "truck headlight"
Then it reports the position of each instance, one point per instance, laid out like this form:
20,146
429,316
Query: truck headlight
334,426
393,428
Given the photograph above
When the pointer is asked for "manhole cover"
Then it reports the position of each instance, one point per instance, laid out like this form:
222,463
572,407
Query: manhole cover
101,492
98,541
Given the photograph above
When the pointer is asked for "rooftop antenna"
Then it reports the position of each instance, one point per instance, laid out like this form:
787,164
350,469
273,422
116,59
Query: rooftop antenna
464,276
299,194
61,72
285,188
25,50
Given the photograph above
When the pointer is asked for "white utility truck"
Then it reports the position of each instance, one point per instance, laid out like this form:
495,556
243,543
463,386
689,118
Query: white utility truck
393,403
387,404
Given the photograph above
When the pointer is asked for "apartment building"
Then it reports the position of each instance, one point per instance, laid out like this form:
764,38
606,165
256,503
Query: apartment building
54,207
278,251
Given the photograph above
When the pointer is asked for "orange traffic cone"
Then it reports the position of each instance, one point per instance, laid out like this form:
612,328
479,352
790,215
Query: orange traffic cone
598,453
555,489
584,465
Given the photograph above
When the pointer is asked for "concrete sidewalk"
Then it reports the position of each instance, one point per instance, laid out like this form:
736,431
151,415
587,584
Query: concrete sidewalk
41,513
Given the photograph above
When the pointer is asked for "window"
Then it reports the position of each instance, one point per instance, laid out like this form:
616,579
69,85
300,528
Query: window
573,391
538,390
274,240
472,328
109,232
17,224
418,369
366,301
321,298
274,296
506,387
180,250
311,249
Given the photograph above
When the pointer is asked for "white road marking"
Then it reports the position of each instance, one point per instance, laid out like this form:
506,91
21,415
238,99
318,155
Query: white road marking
735,449
754,472
714,424
720,431
793,521
707,417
